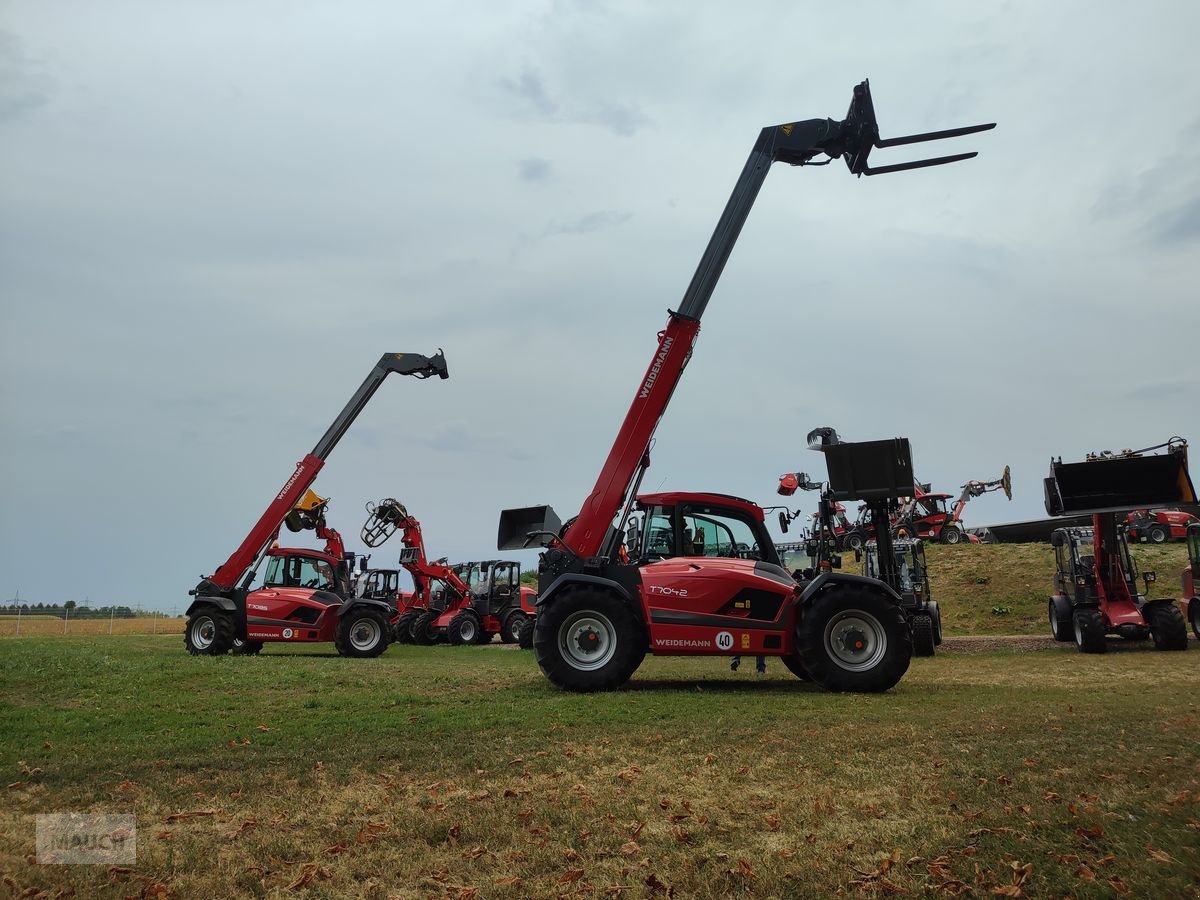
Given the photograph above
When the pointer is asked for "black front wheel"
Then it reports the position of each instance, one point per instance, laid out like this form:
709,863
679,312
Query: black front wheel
1157,534
1062,625
464,628
853,639
588,640
1089,630
1167,625
525,636
854,540
402,630
422,628
922,635
951,534
209,632
510,627
246,648
362,633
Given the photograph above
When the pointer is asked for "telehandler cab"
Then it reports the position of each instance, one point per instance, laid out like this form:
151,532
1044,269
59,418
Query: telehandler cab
312,608
703,576
1095,582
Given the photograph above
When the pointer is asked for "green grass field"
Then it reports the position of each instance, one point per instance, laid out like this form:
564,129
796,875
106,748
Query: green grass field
460,772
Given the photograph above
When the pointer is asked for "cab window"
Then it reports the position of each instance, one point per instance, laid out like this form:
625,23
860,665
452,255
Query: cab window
658,532
717,533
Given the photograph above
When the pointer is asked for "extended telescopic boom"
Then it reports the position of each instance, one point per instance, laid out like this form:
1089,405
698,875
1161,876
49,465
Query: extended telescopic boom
794,143
264,530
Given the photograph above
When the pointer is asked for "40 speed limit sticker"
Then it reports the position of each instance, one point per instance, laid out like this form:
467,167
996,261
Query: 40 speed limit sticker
724,640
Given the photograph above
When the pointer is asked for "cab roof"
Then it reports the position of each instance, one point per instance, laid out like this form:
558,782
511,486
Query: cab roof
674,498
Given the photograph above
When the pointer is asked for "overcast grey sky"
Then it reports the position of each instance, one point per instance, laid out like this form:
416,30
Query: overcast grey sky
214,217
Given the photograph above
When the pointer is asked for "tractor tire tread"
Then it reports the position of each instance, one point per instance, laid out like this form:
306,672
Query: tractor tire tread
823,670
1168,628
341,636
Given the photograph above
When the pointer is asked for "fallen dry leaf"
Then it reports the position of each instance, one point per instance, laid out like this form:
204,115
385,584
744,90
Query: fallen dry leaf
772,821
310,872
1083,873
183,817
570,876
507,881
335,850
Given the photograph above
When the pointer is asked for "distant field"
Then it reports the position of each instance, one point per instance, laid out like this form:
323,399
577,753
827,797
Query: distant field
459,772
49,626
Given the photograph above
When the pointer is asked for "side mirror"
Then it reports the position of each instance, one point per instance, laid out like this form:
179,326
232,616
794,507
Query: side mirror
783,521
362,561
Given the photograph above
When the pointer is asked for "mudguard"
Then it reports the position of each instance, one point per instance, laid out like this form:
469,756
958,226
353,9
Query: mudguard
220,602
824,580
570,578
382,606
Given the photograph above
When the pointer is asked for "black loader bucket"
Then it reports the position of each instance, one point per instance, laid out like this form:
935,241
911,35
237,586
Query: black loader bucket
517,524
870,470
1112,484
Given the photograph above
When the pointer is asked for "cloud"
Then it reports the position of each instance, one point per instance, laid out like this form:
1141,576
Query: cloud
534,168
533,98
588,223
25,85
1165,391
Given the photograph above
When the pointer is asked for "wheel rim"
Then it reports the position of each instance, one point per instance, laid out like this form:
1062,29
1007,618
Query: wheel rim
1078,631
855,640
952,537
514,627
204,632
364,634
466,629
1054,623
587,640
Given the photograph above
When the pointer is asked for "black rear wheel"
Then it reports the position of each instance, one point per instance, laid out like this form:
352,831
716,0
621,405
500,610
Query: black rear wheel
1062,625
1157,534
922,634
854,540
951,534
209,632
362,633
464,628
1167,625
795,666
850,638
1089,630
588,640
510,627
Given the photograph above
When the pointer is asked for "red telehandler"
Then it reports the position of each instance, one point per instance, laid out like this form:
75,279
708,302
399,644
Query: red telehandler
1096,589
479,599
703,576
219,615
1158,526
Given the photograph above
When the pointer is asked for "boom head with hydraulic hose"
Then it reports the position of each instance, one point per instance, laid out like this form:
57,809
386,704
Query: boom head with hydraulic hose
584,642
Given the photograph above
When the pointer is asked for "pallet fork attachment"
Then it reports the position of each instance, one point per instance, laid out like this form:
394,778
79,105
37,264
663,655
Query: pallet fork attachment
862,134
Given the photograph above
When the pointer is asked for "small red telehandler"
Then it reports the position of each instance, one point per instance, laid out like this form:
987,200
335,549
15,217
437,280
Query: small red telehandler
477,600
1096,590
218,615
703,576
928,517
1158,526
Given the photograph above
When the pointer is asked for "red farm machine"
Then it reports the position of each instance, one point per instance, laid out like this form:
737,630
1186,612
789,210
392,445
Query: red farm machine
467,603
306,596
703,576
1158,526
1096,581
1190,604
